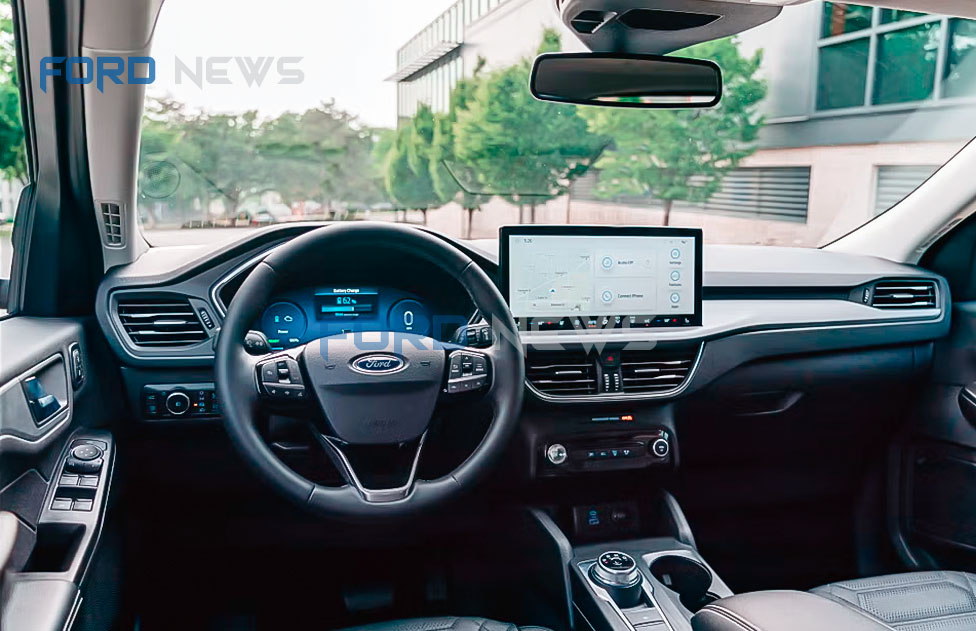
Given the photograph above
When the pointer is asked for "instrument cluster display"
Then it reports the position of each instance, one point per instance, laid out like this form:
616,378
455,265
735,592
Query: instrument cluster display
296,317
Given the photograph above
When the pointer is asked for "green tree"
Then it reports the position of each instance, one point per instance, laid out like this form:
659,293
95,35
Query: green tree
446,169
683,154
13,156
526,150
407,166
216,154
320,154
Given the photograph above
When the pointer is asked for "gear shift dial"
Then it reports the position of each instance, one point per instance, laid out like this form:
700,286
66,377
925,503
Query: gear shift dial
617,573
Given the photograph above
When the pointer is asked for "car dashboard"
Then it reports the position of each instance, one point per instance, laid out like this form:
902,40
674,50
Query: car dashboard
782,331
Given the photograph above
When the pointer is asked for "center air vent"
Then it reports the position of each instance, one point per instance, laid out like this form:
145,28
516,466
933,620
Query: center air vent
655,371
904,294
561,372
160,322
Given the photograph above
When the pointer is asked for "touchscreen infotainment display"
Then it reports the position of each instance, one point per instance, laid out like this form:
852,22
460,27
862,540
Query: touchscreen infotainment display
595,277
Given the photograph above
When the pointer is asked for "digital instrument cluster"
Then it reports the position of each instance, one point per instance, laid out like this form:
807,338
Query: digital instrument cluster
297,317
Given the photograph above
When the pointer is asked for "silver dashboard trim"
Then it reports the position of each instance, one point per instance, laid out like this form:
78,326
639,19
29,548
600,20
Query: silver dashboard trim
53,426
218,304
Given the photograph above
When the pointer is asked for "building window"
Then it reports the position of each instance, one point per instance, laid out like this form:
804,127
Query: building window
772,193
843,74
840,18
895,183
896,15
777,193
906,64
870,56
960,71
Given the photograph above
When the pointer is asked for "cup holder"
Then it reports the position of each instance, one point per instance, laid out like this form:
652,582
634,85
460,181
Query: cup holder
687,578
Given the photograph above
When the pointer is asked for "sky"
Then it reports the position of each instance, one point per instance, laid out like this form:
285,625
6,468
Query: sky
348,48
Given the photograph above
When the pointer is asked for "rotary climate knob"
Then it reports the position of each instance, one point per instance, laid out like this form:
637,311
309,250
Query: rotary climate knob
617,573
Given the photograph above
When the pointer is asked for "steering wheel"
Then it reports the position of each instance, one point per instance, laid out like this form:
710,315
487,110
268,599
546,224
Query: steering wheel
377,392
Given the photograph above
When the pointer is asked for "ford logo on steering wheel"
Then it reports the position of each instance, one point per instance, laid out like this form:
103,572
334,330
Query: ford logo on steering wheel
378,364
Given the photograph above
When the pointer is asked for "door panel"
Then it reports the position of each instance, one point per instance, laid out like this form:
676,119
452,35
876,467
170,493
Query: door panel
933,482
49,405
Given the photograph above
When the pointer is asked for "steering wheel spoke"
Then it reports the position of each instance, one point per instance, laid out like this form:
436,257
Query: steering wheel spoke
379,474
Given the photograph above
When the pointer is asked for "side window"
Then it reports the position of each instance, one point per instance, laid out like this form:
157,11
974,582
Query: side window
13,160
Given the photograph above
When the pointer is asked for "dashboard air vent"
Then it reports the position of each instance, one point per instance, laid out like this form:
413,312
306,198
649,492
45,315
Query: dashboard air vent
563,373
655,371
160,322
904,294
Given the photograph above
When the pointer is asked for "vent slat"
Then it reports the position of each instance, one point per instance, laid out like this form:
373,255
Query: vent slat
112,219
561,373
160,323
656,371
909,294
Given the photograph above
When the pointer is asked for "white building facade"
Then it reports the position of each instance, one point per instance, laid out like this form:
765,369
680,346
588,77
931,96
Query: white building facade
864,104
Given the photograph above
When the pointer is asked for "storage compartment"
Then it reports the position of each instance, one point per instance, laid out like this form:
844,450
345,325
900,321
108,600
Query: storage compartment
943,480
55,548
688,578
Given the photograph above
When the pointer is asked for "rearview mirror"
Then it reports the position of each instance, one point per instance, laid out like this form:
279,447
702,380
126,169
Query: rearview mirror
625,80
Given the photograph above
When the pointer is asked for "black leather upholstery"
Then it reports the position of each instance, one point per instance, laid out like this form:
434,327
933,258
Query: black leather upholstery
919,601
446,623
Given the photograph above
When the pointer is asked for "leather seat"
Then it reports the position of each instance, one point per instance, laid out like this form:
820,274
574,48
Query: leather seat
919,601
446,623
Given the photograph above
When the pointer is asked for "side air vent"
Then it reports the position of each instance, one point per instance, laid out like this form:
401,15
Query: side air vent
655,371
160,322
112,221
904,294
562,373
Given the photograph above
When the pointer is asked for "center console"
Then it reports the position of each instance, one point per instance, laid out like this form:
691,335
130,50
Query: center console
632,565
655,584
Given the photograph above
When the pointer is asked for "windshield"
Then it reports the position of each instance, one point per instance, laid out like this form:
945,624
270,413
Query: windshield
420,112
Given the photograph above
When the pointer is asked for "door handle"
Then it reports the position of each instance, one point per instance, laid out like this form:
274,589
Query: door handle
42,405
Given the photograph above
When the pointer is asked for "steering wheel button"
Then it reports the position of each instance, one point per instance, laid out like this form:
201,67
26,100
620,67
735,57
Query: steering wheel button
269,373
480,366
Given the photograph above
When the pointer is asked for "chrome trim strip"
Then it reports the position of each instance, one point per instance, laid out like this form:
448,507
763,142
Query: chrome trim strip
53,426
619,396
218,305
